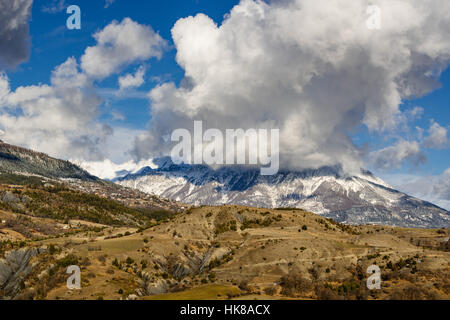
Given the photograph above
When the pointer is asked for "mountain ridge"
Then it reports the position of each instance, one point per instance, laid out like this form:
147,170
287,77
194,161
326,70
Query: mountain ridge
358,199
22,166
14,159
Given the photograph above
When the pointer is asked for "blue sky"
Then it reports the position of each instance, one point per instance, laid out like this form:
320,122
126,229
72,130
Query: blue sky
436,107
52,44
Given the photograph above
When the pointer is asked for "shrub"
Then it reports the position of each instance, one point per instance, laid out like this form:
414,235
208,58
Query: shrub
347,287
326,293
243,285
294,284
110,271
68,260
412,292
52,249
270,290
85,262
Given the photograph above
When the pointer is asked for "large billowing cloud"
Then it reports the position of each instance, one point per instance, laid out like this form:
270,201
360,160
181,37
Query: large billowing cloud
58,118
309,67
61,118
14,32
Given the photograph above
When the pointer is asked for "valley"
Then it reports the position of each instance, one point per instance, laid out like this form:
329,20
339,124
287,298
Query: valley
131,245
234,252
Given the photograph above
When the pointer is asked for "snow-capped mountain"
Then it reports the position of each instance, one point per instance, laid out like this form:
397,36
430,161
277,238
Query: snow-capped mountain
358,199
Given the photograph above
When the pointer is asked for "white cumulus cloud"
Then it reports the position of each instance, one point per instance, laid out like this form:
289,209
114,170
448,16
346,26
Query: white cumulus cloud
120,44
311,68
132,80
394,156
62,118
437,138
58,118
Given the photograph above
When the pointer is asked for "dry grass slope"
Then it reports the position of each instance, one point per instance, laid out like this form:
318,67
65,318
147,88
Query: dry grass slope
234,252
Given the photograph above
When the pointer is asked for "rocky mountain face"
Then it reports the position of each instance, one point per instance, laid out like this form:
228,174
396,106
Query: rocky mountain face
15,159
359,199
14,268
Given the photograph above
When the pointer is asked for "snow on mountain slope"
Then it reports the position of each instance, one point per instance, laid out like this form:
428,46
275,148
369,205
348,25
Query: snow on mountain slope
360,199
14,159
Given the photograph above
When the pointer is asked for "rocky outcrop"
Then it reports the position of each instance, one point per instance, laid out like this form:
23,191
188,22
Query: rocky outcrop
14,268
14,201
151,286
